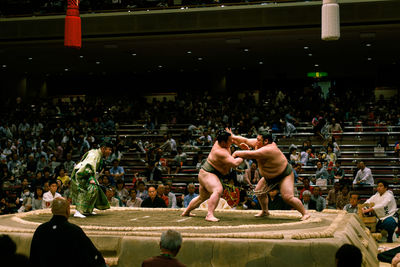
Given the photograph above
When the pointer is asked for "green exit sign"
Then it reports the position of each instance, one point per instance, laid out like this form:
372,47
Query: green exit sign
317,74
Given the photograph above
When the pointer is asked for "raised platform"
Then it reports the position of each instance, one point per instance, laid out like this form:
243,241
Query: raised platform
127,236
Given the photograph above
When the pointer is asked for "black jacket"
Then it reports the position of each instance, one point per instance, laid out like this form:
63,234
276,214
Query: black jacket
63,244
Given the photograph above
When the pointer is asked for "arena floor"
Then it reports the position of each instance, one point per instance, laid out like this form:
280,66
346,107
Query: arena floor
239,239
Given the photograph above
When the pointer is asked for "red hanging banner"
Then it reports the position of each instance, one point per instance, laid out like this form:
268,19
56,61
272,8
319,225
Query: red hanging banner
73,34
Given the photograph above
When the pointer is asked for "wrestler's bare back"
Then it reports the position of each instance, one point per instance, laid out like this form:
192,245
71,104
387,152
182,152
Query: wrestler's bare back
218,158
273,162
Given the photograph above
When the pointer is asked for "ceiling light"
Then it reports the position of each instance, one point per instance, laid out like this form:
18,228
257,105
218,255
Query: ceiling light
29,58
134,54
200,58
368,45
369,59
97,62
129,11
181,70
189,52
222,6
66,69
243,68
306,47
310,55
160,66
260,62
246,50
182,8
81,56
316,65
4,66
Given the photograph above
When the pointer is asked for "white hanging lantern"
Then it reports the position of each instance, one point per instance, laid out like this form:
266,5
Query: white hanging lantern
330,29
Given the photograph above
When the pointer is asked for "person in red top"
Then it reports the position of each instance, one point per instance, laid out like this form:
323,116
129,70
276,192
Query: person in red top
170,244
306,186
160,193
231,194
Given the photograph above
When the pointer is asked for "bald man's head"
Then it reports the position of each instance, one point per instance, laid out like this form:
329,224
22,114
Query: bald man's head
60,207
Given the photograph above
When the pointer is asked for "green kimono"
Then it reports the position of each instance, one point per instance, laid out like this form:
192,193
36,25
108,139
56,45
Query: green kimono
85,195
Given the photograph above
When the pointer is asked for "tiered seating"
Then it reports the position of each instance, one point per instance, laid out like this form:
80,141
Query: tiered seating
354,146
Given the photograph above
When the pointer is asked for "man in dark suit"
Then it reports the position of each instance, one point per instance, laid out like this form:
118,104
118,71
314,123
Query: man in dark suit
153,201
308,203
63,244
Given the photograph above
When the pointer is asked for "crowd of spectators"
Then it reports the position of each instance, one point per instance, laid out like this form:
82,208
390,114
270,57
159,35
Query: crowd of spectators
42,140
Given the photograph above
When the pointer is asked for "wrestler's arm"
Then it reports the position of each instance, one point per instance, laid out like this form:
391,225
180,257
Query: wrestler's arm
226,158
250,154
237,139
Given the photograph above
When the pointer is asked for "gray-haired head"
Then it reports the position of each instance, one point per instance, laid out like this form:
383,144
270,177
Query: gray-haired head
171,240
306,193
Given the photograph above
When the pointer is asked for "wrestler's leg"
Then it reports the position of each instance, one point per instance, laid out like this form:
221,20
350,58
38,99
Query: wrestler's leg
262,198
203,196
212,184
287,192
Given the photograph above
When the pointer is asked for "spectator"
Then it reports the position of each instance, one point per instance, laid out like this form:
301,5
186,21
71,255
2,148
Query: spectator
319,200
117,172
331,157
170,244
8,254
69,164
171,196
231,194
204,140
49,196
288,128
141,191
114,202
348,256
333,196
66,237
199,160
364,175
306,186
121,192
191,194
296,170
305,157
352,207
160,194
25,201
63,177
385,209
169,143
275,201
153,201
294,155
322,173
334,128
252,175
339,174
38,199
133,200
308,203
343,198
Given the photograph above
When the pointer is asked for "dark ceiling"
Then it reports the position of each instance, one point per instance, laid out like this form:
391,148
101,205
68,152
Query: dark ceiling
362,51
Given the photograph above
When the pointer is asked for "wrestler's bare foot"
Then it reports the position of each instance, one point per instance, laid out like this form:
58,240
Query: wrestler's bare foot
305,217
188,214
211,218
262,214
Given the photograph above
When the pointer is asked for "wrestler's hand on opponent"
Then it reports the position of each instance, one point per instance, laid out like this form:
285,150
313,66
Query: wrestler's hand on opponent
235,154
244,146
229,130
92,182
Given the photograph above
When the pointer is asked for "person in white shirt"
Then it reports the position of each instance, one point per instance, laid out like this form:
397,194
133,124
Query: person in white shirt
49,196
171,196
385,209
364,175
